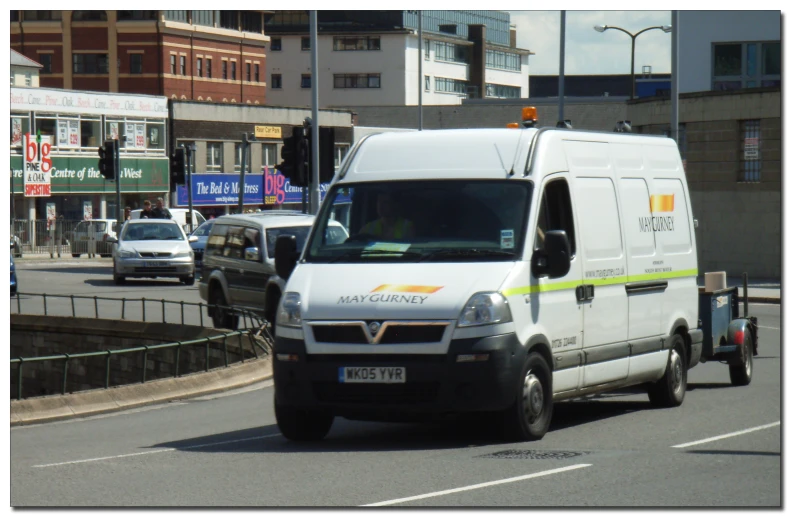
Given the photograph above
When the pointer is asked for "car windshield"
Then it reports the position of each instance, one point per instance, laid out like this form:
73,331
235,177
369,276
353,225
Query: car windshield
152,232
203,230
431,221
300,232
86,226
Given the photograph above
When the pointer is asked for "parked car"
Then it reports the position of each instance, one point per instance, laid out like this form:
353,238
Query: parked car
14,282
153,248
202,233
99,230
238,267
16,246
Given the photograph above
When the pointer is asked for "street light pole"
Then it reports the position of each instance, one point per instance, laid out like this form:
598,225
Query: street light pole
602,28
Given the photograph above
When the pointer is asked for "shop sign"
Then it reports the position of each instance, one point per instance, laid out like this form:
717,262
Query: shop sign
87,210
38,166
268,132
88,103
221,189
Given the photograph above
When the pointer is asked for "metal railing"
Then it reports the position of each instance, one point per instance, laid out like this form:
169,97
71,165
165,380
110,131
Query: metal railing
145,350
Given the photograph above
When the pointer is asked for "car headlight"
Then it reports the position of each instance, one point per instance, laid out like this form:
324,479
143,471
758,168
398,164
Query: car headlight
484,309
184,254
126,254
288,312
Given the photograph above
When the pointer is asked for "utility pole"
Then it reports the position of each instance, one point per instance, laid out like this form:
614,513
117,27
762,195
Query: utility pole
190,163
245,147
315,188
674,76
420,71
562,71
118,210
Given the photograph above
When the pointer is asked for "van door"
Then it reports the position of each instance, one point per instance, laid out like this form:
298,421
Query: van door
557,307
602,293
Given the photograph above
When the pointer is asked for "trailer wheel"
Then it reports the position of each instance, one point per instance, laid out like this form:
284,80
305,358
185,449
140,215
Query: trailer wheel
742,374
670,389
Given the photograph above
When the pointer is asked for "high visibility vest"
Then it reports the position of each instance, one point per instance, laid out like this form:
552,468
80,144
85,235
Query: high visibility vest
399,230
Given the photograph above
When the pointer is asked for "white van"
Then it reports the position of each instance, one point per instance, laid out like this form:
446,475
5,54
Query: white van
490,270
180,216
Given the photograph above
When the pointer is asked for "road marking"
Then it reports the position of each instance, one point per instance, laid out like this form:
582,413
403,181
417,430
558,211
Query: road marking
170,449
481,485
765,327
729,435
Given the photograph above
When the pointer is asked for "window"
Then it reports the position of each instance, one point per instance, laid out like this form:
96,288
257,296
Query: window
28,79
451,52
216,241
276,44
136,15
237,158
277,81
500,91
300,232
46,63
268,157
356,43
357,81
428,83
173,64
177,16
225,69
229,20
155,135
750,169
503,60
135,63
199,67
183,65
426,49
89,16
257,74
443,84
41,16
142,135
745,65
555,214
89,63
252,22
208,67
340,153
205,18
214,156
14,16
305,43
305,83
233,70
20,125
248,73
90,132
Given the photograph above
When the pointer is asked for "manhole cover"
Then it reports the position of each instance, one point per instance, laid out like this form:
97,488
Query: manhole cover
515,454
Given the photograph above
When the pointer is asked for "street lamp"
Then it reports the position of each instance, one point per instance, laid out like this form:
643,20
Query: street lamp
602,28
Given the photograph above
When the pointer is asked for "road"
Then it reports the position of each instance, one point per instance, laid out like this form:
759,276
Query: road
722,447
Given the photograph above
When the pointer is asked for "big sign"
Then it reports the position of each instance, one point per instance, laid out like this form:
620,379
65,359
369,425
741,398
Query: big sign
38,166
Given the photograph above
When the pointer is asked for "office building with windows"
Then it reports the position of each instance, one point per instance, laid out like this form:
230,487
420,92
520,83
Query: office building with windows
370,58
212,56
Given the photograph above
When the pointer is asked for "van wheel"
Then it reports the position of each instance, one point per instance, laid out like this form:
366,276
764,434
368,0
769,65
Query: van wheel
303,425
529,416
188,280
742,374
221,317
670,389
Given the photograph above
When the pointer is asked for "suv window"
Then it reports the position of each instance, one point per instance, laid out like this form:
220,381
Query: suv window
216,241
300,232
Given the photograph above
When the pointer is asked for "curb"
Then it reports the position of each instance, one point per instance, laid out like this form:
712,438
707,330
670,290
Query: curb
93,402
763,299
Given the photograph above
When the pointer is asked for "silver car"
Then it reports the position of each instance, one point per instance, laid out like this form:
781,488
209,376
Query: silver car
153,248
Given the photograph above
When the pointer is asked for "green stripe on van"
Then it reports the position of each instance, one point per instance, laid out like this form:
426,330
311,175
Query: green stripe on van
623,279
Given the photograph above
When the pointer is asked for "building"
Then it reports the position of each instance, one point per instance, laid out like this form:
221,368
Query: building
615,85
77,123
733,50
216,132
213,56
370,58
24,71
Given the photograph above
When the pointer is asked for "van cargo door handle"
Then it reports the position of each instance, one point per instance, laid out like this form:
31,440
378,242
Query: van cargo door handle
584,292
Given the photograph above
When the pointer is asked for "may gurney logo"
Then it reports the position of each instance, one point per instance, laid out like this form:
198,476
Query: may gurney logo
662,203
659,203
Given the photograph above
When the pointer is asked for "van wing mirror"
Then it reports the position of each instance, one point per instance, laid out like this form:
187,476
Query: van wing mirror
286,255
555,259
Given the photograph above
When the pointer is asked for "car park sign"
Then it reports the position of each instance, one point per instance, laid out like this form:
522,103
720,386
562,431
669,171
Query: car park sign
38,166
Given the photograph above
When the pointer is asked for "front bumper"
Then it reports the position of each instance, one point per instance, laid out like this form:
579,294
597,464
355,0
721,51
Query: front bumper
148,268
435,384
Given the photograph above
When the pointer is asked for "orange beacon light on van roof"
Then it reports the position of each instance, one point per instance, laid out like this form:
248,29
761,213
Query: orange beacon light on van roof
529,113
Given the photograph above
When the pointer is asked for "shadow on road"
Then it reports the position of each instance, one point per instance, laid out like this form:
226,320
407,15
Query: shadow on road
108,282
80,270
737,453
692,386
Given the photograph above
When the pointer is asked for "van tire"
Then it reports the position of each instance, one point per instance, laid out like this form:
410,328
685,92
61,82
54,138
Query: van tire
528,418
742,374
220,317
303,425
670,389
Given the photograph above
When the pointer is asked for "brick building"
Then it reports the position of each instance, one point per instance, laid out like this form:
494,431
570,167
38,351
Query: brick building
213,56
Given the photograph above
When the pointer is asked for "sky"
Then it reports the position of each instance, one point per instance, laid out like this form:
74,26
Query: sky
591,52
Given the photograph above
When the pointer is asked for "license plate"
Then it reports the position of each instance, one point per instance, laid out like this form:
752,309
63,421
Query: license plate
155,264
372,374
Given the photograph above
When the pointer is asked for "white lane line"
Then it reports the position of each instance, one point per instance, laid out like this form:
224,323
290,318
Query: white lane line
729,435
765,327
481,485
171,449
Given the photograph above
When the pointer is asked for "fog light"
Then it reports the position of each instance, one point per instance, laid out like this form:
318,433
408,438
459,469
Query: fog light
472,358
288,357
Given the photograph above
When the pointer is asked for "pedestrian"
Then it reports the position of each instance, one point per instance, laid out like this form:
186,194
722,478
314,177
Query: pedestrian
160,212
127,214
146,213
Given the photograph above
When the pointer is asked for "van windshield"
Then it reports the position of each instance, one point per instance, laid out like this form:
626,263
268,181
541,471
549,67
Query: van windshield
424,221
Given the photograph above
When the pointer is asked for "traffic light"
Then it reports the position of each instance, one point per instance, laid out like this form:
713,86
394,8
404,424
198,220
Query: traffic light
107,155
295,154
178,169
326,154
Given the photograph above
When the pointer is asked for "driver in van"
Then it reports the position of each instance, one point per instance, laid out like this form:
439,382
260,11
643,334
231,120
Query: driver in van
389,225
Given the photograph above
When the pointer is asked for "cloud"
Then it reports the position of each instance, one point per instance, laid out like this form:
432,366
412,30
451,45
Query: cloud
591,52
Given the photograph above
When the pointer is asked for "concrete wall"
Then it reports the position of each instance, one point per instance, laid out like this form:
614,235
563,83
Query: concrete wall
36,336
20,73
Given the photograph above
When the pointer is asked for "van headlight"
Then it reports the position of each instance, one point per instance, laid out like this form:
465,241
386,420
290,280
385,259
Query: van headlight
126,254
484,309
288,312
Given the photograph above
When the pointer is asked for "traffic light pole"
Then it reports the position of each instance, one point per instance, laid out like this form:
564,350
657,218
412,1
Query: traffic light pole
313,179
117,164
190,151
241,173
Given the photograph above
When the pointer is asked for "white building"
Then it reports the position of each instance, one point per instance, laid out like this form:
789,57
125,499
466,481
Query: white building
730,50
24,71
376,63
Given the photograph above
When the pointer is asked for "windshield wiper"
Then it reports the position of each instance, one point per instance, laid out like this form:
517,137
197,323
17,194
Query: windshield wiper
466,253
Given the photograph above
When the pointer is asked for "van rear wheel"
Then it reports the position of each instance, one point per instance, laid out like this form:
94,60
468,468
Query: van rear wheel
669,391
529,416
303,425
